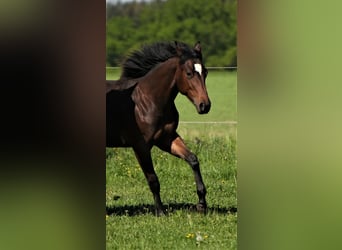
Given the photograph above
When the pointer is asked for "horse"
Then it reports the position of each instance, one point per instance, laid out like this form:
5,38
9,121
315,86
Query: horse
140,108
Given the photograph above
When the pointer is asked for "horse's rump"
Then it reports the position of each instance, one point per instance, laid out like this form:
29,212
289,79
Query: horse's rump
120,119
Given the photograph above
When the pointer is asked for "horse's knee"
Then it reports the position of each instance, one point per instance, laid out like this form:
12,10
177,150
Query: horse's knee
192,160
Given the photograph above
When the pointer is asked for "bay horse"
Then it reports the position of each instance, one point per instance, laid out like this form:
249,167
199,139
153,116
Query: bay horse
140,108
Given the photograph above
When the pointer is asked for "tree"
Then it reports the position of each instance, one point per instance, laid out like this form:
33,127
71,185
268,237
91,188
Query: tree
211,22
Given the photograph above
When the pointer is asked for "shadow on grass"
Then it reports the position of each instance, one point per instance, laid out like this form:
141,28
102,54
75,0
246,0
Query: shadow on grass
143,209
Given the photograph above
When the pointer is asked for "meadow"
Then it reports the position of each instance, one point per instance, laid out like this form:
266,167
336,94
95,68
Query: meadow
130,220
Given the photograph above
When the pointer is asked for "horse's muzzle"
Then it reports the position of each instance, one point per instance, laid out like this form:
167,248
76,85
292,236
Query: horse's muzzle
203,108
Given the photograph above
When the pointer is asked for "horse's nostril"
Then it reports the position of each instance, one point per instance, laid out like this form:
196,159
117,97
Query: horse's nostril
203,107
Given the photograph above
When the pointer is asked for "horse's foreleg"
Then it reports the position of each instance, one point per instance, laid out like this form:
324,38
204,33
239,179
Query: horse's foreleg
143,154
178,148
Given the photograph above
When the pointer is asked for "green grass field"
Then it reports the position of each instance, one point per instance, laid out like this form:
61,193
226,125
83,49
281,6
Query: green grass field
130,223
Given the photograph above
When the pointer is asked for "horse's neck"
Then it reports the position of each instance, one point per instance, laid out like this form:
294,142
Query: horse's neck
160,82
155,93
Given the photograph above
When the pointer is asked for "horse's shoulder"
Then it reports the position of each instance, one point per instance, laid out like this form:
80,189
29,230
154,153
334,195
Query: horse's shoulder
121,84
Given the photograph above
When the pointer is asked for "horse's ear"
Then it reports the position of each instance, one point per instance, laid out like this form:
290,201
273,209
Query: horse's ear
198,47
178,49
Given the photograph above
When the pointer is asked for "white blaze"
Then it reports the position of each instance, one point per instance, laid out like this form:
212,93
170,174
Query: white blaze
198,68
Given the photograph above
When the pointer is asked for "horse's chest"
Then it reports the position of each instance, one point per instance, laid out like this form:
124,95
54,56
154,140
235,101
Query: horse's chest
155,119
166,127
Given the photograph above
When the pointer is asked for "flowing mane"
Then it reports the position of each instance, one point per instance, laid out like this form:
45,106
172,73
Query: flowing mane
140,62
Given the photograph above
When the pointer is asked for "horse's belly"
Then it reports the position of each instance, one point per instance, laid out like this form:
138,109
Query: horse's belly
115,142
118,138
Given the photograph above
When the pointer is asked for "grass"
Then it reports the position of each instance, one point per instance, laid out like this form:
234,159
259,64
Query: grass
177,231
130,223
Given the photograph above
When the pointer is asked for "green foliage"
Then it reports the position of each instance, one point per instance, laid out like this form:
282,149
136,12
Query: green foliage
211,22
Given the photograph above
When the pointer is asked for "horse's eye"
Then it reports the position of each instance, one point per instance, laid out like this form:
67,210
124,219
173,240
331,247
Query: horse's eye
189,74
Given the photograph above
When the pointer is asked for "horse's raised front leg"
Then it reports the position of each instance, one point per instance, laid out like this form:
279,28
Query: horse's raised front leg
177,147
143,155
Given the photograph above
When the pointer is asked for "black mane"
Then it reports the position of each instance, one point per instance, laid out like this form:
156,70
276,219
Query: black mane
140,62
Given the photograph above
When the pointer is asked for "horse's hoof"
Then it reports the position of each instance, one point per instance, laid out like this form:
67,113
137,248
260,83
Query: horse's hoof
160,213
201,208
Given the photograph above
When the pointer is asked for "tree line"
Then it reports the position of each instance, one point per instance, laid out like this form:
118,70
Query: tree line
129,25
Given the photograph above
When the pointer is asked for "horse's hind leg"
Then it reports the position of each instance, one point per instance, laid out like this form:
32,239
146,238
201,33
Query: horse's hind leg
143,154
177,147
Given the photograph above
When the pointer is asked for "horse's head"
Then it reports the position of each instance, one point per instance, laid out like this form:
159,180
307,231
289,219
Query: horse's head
190,77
